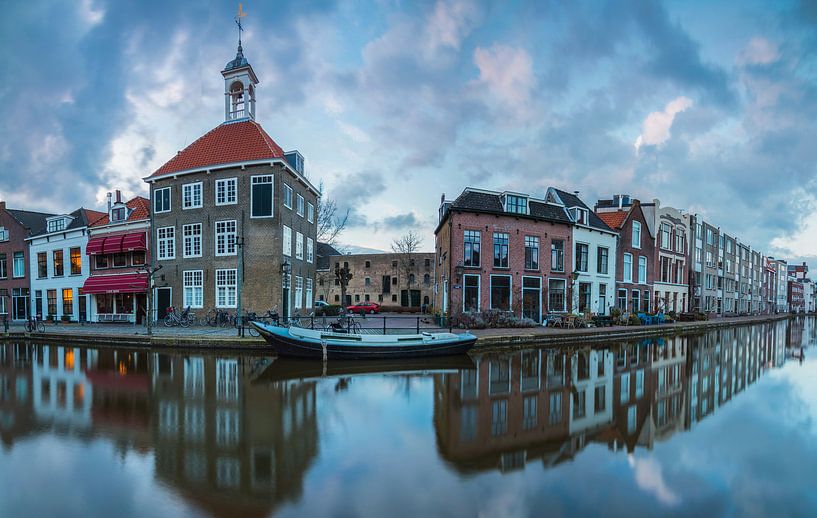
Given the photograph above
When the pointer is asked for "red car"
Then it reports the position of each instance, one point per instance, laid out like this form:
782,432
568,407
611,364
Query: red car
364,307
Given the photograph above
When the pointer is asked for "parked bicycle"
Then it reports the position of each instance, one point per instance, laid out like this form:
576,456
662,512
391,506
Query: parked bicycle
34,324
174,318
219,318
350,326
245,323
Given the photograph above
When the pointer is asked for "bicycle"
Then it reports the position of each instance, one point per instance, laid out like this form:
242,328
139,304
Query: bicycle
351,326
219,318
33,324
245,323
174,319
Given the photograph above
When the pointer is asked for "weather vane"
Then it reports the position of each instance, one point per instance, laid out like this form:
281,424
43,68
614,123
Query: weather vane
241,14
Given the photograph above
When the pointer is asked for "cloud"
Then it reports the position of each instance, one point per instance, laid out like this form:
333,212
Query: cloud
507,72
449,23
656,127
759,51
649,477
354,191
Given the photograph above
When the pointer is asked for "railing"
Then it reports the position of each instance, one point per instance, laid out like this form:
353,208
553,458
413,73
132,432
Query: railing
369,324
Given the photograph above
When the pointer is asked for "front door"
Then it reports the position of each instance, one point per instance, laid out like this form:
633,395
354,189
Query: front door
140,300
532,298
83,309
162,302
415,298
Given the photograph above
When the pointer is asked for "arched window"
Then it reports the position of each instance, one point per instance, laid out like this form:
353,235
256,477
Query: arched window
237,107
426,279
411,278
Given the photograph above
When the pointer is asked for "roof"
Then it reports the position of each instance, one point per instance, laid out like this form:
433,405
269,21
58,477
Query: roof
81,218
324,251
615,219
141,210
33,221
571,200
227,143
484,201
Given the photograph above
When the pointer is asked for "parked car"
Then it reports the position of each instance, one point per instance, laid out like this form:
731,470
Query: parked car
364,307
324,309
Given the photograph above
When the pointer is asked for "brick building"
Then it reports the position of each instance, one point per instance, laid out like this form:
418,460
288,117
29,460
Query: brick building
796,295
489,255
234,202
15,274
392,280
705,242
635,259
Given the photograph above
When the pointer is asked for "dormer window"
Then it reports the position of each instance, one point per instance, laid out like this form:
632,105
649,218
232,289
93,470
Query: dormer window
55,225
4,234
580,215
119,214
516,204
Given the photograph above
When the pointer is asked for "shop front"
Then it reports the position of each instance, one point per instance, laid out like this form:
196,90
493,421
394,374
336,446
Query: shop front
117,298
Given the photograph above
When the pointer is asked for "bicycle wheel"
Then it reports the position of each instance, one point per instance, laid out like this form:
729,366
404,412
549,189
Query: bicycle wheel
253,331
168,320
40,327
184,321
354,327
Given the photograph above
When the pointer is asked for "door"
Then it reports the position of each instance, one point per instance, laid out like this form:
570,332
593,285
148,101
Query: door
140,301
83,309
415,298
404,298
532,298
162,302
602,309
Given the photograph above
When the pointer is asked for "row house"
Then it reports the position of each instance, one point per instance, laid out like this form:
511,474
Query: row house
672,231
233,201
756,306
594,253
59,267
393,280
744,272
15,273
704,271
727,275
795,295
635,252
118,252
516,274
770,285
782,288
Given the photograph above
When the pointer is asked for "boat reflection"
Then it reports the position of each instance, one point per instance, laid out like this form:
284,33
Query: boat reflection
547,405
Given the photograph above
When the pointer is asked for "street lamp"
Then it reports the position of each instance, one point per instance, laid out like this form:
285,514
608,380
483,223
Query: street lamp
286,271
150,270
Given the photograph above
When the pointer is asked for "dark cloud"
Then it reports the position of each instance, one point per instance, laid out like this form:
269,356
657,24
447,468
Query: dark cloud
353,191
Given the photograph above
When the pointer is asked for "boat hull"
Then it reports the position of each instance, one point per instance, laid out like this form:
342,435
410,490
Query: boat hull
287,344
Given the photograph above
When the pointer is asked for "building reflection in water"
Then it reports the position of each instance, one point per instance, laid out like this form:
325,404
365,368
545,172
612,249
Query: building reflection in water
547,405
227,445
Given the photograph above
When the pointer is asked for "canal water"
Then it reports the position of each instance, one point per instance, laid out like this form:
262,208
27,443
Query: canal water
721,424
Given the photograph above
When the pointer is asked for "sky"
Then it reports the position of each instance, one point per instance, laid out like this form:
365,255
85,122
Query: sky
710,107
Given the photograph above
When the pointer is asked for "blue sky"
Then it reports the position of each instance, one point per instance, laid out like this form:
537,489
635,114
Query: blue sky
710,107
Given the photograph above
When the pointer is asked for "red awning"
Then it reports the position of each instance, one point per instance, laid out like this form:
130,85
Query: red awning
116,244
124,283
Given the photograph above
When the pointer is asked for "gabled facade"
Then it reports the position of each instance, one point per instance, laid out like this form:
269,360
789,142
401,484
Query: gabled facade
59,266
234,200
15,273
704,274
672,234
594,255
635,261
492,253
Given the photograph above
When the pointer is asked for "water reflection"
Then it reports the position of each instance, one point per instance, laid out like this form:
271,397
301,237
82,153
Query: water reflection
242,435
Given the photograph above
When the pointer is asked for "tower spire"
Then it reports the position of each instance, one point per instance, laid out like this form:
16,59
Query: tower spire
239,81
241,14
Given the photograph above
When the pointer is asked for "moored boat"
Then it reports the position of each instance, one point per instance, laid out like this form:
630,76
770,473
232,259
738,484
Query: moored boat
312,343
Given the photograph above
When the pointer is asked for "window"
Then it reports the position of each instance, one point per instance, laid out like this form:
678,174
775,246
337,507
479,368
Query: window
227,191
76,261
602,260
287,241
600,399
59,267
138,257
310,212
191,236
585,296
226,283
636,234
287,196
642,269
55,225
261,196
529,417
531,253
101,261
120,260
166,237
639,384
646,301
225,238
191,195
194,288
500,250
516,204
622,300
4,234
119,214
710,237
299,207
556,294
161,200
628,268
631,418
636,301
582,253
499,417
680,238
625,388
555,404
3,267
471,239
665,236
299,292
308,301
67,302
501,292
42,265
310,250
557,255
579,404
299,246
51,297
470,293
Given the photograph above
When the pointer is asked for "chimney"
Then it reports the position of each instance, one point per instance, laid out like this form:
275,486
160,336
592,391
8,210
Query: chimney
109,202
576,194
118,196
2,205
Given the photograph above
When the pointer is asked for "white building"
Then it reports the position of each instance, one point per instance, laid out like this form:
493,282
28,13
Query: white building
594,253
58,266
591,373
672,231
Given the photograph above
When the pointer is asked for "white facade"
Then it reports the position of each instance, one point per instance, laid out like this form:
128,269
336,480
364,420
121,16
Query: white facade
65,286
671,288
602,285
591,404
61,392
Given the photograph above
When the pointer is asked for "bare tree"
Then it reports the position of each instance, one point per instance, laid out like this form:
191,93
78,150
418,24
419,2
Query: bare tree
331,220
405,247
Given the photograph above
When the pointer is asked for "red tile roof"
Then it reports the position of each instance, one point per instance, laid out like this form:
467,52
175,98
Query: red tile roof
92,216
225,144
615,219
141,210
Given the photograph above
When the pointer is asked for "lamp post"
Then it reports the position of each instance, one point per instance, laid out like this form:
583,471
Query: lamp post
286,271
239,243
150,270
573,278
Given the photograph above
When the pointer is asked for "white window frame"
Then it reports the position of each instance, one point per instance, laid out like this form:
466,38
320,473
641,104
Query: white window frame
263,179
191,186
191,239
310,250
310,212
299,292
169,200
195,297
643,259
300,204
636,233
223,300
628,276
308,293
287,189
286,241
479,292
299,246
226,234
169,242
4,233
510,290
225,184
